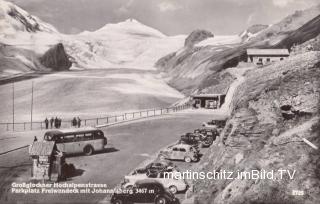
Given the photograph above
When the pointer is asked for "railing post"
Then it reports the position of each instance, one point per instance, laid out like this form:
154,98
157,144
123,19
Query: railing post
97,121
154,112
85,122
107,120
147,113
115,118
140,114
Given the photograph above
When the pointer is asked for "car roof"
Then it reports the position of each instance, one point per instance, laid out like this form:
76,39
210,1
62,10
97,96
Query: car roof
182,145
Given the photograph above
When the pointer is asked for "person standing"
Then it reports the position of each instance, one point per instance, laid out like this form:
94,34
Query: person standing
46,121
35,139
79,122
51,122
56,122
74,122
59,122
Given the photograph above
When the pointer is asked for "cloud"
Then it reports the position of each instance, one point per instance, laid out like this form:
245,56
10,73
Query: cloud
281,3
125,8
165,6
250,18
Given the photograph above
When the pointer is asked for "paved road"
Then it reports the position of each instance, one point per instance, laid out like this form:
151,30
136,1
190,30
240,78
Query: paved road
130,144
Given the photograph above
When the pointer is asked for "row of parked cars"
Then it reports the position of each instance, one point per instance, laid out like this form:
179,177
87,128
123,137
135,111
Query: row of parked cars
159,187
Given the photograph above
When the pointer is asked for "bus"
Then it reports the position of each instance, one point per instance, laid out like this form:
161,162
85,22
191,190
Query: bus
85,140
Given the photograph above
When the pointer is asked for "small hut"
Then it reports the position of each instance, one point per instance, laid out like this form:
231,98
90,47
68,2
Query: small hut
42,153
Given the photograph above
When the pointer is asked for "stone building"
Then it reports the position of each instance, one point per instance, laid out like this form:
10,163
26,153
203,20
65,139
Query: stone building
208,101
265,56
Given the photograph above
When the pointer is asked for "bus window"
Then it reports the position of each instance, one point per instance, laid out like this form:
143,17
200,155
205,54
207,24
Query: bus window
79,137
68,138
88,136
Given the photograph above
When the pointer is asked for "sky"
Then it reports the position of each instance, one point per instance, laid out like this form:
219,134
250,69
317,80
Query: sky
171,17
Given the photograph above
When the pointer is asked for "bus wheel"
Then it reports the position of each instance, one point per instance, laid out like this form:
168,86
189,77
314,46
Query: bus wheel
88,150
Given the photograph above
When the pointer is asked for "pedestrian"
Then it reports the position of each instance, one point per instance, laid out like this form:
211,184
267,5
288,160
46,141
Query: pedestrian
60,122
56,122
74,122
35,139
46,121
79,122
51,122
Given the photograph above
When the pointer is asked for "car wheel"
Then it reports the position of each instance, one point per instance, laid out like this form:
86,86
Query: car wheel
118,201
88,150
160,200
187,159
173,189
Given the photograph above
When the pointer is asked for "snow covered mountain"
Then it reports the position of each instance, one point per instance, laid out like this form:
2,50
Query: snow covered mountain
128,44
125,44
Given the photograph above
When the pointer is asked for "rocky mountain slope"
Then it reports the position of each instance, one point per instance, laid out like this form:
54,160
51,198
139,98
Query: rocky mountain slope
252,31
273,110
192,69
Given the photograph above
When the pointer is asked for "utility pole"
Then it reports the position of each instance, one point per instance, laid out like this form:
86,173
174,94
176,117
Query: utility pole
31,104
13,106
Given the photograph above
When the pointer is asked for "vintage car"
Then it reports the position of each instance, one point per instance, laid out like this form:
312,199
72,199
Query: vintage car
191,139
173,184
144,191
180,152
207,136
155,167
215,124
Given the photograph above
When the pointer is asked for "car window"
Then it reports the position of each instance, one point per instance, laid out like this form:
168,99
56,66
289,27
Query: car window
182,150
175,149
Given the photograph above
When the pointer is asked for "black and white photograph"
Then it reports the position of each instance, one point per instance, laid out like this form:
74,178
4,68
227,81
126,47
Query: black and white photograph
160,101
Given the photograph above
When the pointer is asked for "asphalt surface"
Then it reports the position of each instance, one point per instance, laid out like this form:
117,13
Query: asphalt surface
129,145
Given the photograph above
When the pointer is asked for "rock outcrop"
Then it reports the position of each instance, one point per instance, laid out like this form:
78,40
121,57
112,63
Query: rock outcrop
197,36
56,58
252,30
260,136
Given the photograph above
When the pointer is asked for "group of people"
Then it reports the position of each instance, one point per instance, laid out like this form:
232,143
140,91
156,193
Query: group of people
76,122
54,122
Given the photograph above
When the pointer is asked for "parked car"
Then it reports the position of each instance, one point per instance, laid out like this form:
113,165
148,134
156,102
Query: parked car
174,185
144,191
191,139
207,136
215,124
180,152
155,167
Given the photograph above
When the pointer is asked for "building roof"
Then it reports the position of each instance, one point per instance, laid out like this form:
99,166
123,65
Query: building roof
268,52
41,148
206,95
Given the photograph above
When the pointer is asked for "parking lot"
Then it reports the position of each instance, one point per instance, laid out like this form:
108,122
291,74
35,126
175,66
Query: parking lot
129,145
